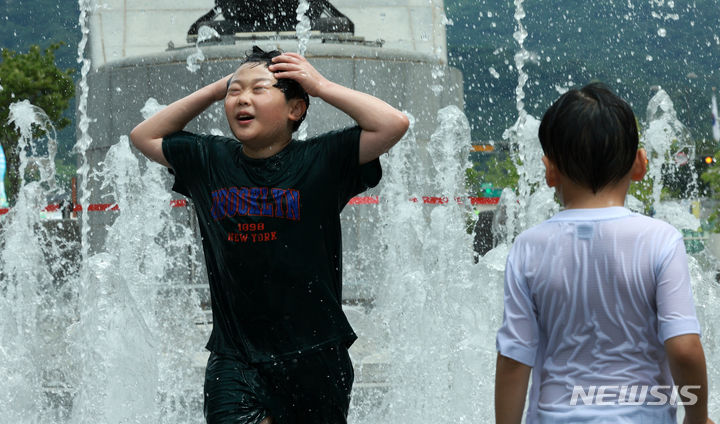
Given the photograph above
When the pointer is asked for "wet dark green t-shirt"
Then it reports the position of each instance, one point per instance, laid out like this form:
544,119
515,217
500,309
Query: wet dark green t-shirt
271,237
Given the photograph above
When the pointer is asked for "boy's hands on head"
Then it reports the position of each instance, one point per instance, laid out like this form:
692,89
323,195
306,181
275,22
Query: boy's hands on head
382,125
296,67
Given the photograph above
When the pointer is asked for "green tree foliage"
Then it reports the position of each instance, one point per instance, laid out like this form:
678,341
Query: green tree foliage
31,76
20,29
498,171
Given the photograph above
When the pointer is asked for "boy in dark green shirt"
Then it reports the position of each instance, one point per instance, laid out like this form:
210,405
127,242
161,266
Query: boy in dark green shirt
268,209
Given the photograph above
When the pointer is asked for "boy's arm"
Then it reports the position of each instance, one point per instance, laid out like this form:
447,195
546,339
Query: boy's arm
148,135
382,125
511,384
687,365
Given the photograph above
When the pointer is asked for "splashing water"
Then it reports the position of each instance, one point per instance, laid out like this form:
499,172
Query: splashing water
663,129
151,107
33,265
128,357
302,32
534,201
137,368
130,353
428,283
84,139
194,60
28,118
302,29
663,136
439,312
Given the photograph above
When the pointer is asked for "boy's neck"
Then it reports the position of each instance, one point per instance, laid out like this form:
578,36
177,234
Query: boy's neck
575,196
264,151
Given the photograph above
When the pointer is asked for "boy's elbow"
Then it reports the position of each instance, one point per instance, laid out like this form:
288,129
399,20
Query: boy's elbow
140,139
135,137
403,123
400,124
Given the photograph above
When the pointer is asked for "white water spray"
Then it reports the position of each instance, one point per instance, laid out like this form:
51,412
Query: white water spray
663,136
302,32
439,342
440,311
33,298
138,367
302,29
534,201
84,139
194,60
27,119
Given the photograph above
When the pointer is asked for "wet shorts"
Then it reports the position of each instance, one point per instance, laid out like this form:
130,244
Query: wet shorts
314,388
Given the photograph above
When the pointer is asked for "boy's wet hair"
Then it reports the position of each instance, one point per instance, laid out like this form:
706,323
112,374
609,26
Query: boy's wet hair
291,88
591,135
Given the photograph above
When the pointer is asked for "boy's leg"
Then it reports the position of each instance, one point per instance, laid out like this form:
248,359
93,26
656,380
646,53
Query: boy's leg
314,388
233,392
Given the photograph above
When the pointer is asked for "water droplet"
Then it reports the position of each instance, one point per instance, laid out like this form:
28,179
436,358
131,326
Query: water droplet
446,21
649,58
662,32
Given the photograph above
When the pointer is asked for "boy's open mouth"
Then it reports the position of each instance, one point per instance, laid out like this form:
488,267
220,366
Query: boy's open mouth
244,118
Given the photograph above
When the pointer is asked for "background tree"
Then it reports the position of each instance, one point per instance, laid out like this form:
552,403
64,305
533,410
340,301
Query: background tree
31,76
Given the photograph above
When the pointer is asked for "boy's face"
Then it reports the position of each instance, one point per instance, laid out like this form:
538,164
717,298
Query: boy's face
257,112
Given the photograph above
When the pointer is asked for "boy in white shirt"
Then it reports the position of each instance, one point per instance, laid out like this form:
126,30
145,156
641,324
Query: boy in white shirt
598,300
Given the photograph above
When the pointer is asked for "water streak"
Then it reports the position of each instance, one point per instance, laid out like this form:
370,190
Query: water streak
534,201
205,33
302,32
302,29
436,336
33,267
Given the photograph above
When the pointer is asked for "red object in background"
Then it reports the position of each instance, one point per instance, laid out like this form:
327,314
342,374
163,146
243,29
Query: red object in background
179,203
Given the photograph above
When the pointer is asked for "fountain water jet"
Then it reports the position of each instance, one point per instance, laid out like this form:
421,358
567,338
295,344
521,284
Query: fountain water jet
33,265
438,357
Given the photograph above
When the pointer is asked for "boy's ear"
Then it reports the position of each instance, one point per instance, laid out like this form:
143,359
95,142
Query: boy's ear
297,109
639,167
551,172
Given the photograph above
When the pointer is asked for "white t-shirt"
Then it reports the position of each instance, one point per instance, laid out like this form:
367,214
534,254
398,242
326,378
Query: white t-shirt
590,297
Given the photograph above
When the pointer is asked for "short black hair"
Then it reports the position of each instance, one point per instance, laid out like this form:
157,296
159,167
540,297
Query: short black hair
291,88
591,136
